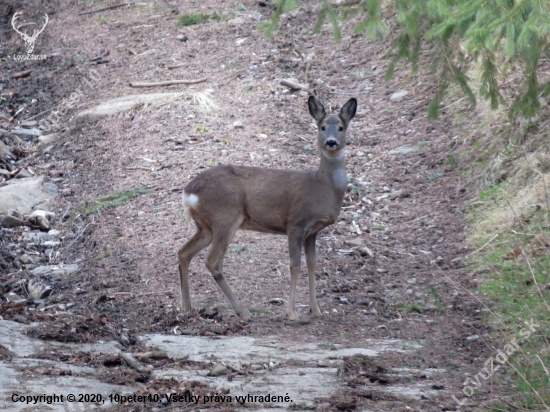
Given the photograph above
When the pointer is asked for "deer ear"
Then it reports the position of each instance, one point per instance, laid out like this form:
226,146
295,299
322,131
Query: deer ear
316,109
348,110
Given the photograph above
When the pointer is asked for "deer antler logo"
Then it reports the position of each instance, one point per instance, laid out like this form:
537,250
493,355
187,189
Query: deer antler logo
29,40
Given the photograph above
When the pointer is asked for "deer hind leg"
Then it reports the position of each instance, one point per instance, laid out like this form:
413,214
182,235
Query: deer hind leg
309,250
214,262
199,241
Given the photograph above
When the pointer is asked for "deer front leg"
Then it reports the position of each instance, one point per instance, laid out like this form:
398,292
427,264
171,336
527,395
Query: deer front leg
295,242
309,249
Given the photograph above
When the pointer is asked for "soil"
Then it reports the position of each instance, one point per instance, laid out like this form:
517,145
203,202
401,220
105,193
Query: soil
408,210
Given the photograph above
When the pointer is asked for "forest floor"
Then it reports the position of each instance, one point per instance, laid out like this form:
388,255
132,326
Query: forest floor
392,269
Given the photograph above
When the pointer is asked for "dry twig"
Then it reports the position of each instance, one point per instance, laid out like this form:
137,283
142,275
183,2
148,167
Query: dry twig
21,75
167,83
115,6
133,363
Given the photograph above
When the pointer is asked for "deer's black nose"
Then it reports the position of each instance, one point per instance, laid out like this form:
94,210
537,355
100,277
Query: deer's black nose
331,143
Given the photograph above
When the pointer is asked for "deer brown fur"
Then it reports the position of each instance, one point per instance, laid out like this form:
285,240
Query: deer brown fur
226,198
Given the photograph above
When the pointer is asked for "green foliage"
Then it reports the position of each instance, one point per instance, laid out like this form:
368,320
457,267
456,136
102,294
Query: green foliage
189,19
454,34
116,198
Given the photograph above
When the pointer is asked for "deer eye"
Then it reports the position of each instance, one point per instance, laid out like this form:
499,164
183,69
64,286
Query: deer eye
341,129
323,128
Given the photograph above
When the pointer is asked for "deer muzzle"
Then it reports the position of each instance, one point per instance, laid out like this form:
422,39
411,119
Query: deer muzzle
331,144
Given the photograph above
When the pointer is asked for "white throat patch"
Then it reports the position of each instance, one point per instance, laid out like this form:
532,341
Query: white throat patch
340,179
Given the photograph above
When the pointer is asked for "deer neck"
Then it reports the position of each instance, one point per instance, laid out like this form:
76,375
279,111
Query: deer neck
333,170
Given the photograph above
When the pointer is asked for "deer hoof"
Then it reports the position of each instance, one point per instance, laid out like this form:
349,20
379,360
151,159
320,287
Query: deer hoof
245,315
316,313
292,316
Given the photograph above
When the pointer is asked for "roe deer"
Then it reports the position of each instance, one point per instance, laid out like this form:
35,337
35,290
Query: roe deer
299,204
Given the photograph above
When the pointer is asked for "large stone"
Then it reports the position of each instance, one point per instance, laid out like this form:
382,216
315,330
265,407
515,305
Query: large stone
23,194
5,151
121,104
54,271
37,237
10,221
27,134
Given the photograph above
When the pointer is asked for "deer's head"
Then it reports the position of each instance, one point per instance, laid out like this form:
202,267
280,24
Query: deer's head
29,40
331,136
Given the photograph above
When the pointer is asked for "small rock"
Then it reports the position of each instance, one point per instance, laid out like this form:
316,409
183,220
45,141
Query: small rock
67,191
343,300
38,289
37,237
48,138
236,21
399,194
262,136
10,221
385,210
39,221
354,242
26,259
256,367
44,166
51,243
27,134
54,232
15,213
27,124
364,251
223,390
219,370
23,173
15,298
124,339
398,95
46,214
182,37
238,125
210,313
5,151
402,150
54,271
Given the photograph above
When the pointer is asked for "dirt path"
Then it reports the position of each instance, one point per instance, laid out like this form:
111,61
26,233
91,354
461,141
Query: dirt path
405,205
